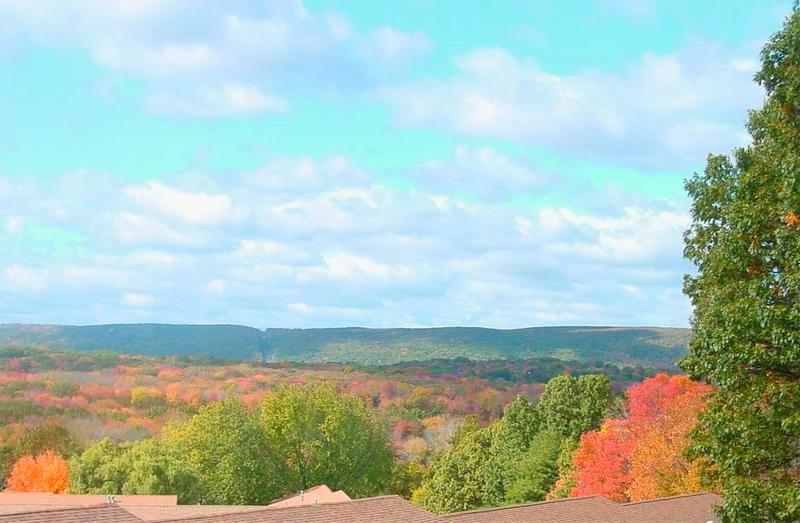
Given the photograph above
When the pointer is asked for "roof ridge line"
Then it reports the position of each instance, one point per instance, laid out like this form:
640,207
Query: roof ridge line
705,493
529,504
63,509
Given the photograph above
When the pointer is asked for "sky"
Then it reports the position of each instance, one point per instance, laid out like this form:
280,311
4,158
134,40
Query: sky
279,163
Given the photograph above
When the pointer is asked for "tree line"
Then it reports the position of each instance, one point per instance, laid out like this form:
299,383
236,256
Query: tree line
575,440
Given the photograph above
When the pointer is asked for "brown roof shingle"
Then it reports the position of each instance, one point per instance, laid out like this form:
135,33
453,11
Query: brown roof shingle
45,499
16,502
106,513
572,510
161,513
383,509
690,508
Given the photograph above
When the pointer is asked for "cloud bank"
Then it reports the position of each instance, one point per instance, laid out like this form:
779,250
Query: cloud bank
302,242
219,59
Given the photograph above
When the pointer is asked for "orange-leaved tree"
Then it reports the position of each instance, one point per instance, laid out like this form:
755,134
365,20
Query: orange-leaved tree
641,456
658,467
46,472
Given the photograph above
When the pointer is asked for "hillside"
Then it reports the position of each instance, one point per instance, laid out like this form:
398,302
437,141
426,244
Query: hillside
647,346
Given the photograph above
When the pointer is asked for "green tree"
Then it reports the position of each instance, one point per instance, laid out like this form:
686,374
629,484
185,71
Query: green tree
745,243
471,423
571,406
504,455
63,389
537,470
7,459
468,476
50,436
316,435
155,467
406,478
522,421
145,467
517,457
566,470
225,445
98,470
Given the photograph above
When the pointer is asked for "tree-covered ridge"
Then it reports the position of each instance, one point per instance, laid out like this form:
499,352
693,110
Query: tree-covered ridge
221,341
647,346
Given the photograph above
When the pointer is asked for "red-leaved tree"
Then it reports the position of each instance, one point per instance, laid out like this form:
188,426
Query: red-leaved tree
642,455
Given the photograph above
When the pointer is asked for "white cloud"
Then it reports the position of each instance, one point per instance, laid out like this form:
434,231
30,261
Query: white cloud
302,308
296,176
481,172
635,235
664,112
131,228
745,65
192,208
274,252
14,224
217,286
25,278
351,266
169,60
152,257
388,45
138,300
226,100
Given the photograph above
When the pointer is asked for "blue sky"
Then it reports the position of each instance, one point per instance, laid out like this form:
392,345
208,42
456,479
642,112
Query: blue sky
278,163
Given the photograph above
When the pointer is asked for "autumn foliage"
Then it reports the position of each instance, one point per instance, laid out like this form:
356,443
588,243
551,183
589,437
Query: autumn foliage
47,472
641,456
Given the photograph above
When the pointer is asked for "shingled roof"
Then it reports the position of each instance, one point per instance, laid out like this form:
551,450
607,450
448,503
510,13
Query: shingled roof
164,513
105,513
573,510
16,502
692,508
383,509
46,499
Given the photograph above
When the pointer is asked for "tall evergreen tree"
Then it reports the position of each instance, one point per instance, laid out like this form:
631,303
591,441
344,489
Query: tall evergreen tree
537,470
745,242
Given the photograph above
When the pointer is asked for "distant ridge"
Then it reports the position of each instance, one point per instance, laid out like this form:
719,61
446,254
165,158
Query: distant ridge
648,346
